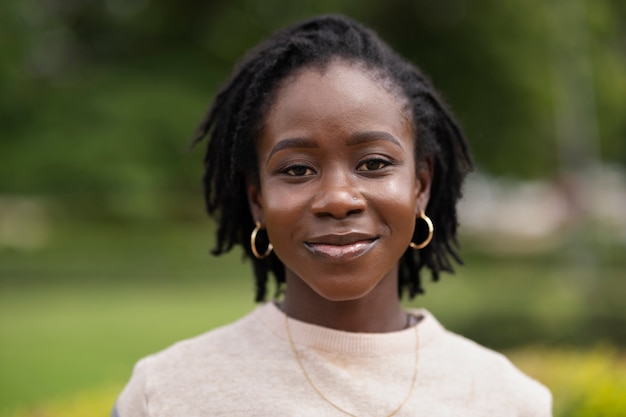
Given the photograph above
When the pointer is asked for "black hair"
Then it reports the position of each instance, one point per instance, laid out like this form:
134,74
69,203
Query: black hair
233,123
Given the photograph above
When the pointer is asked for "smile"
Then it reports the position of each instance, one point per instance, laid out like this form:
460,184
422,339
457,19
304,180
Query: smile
341,248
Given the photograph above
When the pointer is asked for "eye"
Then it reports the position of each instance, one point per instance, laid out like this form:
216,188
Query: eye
298,170
373,164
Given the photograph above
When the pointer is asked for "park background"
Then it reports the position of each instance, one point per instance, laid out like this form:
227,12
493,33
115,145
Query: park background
104,245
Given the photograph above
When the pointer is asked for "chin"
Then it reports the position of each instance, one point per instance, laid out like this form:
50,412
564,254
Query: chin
338,293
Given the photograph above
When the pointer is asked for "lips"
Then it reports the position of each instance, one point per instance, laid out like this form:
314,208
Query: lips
341,247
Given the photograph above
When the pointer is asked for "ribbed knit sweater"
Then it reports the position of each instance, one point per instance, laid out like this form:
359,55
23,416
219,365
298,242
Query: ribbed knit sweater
248,368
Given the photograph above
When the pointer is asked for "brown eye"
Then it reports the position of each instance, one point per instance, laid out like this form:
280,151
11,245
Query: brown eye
298,170
373,164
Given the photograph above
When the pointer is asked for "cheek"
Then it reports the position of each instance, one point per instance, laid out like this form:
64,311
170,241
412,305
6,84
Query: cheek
402,193
399,212
282,211
398,206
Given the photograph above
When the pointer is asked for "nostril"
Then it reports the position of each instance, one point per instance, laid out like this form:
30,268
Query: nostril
337,203
355,211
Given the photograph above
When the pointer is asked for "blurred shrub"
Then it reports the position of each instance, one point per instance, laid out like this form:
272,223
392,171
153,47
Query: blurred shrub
584,384
98,98
90,403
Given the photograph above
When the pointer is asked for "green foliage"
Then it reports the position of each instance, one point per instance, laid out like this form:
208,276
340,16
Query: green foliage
99,97
97,402
583,383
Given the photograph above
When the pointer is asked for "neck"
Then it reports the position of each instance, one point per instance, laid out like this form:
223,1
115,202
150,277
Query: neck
377,312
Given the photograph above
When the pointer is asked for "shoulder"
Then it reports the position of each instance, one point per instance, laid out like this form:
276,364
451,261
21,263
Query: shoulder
489,375
206,362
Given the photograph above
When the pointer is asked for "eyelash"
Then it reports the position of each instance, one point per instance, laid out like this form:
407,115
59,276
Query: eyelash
292,168
381,163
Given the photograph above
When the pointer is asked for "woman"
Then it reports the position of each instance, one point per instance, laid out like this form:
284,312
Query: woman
337,167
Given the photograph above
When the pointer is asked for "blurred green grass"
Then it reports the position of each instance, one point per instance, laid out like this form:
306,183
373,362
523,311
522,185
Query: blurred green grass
78,312
57,340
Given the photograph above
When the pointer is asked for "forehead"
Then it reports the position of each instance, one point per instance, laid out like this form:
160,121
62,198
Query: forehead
339,91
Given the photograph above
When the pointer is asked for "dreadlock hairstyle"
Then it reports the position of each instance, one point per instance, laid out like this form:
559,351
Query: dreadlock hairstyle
234,120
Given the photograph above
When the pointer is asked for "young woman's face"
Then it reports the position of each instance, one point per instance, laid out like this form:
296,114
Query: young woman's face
338,190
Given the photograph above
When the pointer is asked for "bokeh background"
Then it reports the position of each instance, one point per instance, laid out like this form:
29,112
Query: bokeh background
104,245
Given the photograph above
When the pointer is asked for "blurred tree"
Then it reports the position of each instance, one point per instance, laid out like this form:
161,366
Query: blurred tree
99,96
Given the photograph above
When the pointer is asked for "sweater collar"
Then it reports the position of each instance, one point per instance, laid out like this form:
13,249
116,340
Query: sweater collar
341,342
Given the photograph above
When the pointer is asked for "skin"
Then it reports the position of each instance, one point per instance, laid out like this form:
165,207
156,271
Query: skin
339,194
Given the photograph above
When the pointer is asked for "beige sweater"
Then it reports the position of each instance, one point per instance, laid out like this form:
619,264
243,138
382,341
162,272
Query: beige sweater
248,369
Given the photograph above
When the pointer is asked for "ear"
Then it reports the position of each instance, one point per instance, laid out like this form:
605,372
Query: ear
425,172
254,202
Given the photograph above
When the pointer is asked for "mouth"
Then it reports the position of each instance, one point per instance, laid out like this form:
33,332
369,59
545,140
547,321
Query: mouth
341,248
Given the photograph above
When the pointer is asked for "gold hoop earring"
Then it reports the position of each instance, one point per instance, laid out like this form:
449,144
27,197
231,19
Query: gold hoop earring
256,254
431,230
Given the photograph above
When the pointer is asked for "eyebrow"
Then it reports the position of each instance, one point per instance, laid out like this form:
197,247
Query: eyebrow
292,143
358,138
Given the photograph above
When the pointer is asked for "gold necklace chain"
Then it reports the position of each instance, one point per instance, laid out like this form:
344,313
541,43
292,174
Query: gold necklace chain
321,394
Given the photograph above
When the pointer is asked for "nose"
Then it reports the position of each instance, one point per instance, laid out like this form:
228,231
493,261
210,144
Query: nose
338,199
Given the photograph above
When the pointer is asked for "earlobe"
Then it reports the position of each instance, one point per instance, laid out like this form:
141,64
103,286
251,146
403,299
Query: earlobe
254,202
